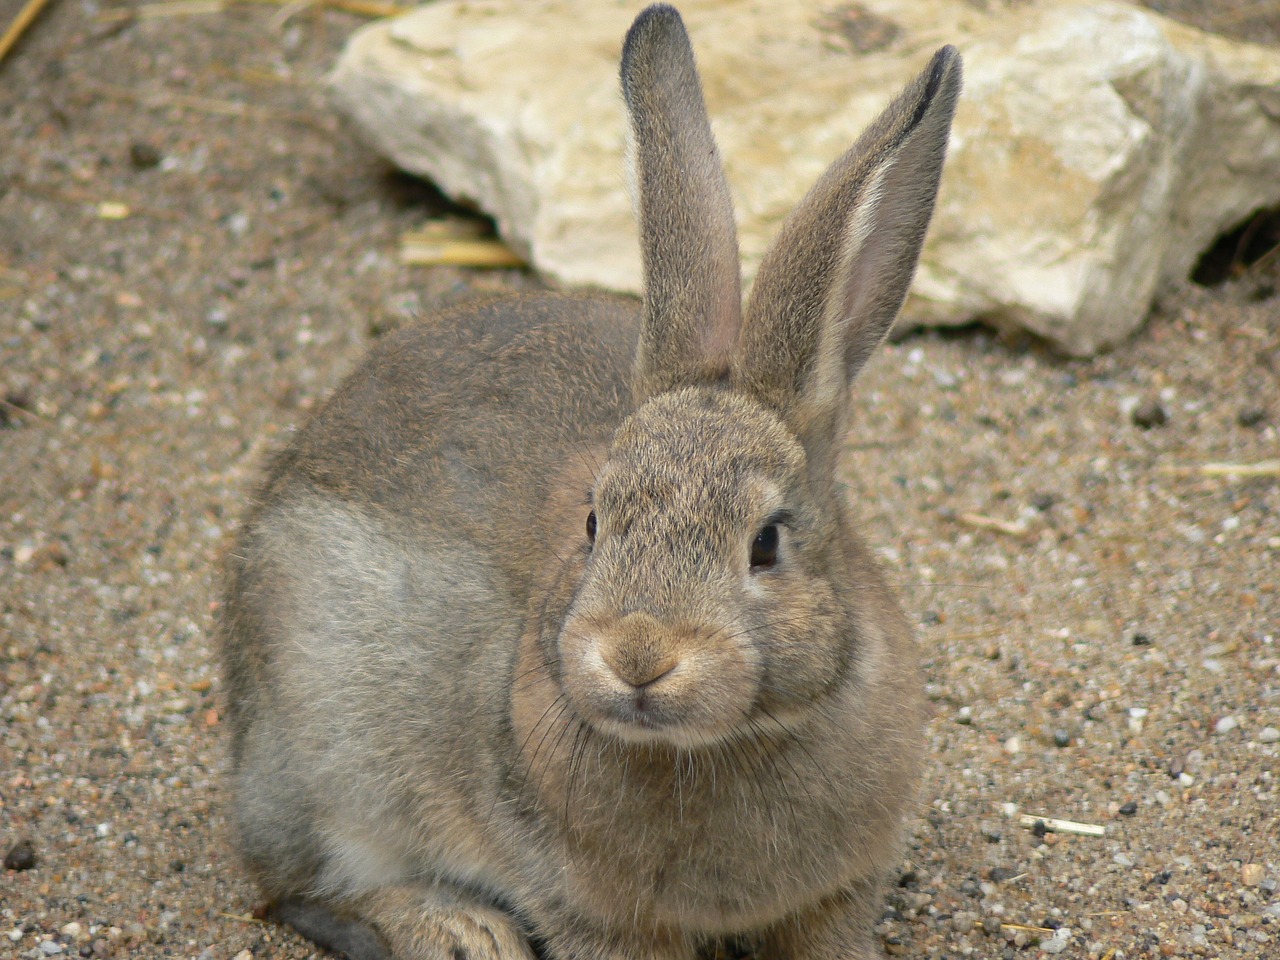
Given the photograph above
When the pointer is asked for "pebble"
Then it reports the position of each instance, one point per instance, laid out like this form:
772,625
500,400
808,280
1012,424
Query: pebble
1226,725
1269,735
1251,874
144,155
21,856
1129,809
51,948
1251,416
962,922
1060,940
894,946
1044,501
1123,859
992,926
1150,414
1061,738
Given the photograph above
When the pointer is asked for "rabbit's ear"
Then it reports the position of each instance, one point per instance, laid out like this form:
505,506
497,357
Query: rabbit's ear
688,242
831,285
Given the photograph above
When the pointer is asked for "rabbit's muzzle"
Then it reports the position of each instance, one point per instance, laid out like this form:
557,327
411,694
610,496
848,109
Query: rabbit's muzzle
643,680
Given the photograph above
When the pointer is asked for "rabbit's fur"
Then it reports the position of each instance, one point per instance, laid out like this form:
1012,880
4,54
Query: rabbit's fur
464,725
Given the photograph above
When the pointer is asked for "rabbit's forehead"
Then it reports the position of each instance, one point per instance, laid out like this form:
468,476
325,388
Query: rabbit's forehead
700,449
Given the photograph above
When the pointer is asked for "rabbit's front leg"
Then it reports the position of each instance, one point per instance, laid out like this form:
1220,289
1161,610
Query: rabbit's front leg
837,928
411,923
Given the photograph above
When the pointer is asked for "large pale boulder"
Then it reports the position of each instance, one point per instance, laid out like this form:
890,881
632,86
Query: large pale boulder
1097,151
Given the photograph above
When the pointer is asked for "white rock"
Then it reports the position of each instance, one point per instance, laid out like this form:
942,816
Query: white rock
1098,150
1058,941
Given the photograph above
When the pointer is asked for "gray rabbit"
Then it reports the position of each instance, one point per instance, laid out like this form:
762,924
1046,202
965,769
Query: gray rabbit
539,642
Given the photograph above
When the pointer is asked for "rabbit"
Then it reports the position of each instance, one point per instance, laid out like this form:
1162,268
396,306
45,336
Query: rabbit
549,634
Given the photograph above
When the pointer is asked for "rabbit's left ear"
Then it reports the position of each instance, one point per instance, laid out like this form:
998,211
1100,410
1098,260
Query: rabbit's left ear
831,285
692,295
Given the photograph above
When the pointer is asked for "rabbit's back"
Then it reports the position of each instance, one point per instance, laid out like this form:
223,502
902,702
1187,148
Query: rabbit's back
449,418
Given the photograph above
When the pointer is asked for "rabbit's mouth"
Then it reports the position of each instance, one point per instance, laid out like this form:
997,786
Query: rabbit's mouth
640,723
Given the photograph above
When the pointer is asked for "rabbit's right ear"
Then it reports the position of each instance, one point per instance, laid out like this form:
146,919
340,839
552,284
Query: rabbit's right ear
831,285
688,242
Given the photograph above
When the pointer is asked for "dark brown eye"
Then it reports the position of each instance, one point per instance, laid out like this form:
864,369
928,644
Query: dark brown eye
591,526
764,549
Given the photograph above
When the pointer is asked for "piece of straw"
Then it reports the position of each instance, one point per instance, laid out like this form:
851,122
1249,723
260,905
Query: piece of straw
26,16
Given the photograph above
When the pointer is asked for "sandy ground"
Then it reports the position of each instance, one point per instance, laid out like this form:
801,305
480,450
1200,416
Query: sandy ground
1099,613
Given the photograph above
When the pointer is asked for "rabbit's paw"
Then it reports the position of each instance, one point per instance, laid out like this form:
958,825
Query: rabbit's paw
435,924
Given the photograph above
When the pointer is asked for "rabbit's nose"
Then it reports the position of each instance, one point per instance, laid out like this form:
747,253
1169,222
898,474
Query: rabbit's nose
638,667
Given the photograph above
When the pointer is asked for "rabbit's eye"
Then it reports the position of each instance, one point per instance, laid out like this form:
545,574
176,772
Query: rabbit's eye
764,549
591,526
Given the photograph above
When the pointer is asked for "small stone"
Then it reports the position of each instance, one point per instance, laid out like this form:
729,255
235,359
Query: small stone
21,856
1129,809
962,922
992,926
1269,735
894,946
1251,874
1251,416
1061,738
102,949
1226,725
1149,415
1124,860
1043,501
1003,874
51,948
1013,745
144,155
1059,941
1141,640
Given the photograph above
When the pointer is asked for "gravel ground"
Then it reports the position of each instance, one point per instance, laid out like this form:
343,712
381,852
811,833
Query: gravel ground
1099,613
